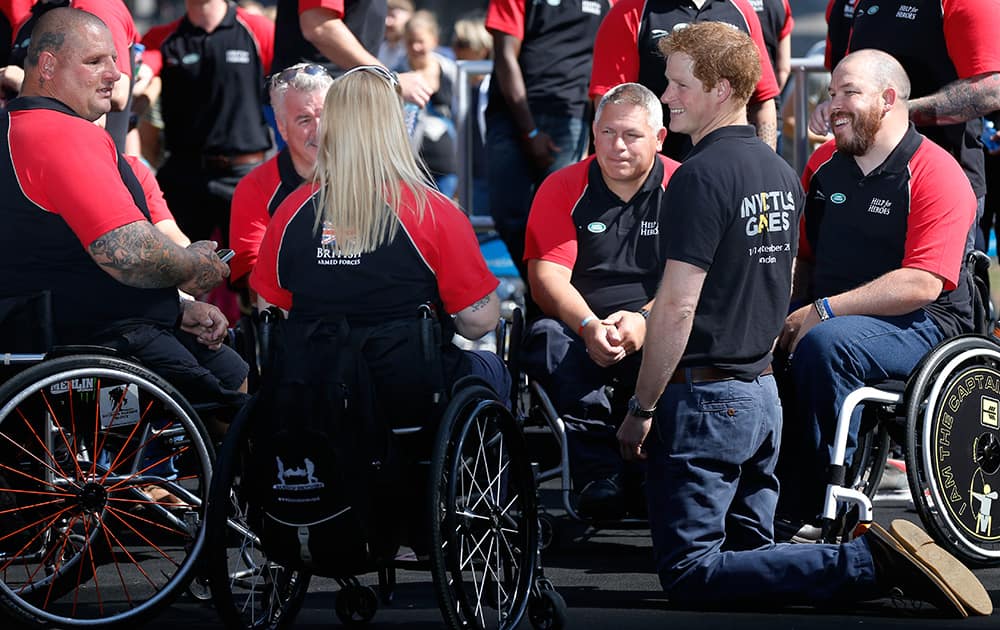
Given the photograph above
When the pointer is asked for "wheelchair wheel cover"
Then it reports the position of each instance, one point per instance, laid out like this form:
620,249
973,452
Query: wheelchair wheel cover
953,448
113,465
247,590
484,533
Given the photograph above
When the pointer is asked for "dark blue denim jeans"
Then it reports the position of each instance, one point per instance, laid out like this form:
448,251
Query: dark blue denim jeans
832,360
712,492
512,181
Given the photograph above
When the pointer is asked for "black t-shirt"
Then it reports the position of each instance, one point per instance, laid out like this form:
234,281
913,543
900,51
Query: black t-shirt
364,18
213,84
438,144
733,209
772,16
557,43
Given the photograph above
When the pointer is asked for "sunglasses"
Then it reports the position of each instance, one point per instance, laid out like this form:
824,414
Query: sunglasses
286,75
379,71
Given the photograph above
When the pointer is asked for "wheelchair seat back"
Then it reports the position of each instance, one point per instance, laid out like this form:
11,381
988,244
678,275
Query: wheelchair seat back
322,457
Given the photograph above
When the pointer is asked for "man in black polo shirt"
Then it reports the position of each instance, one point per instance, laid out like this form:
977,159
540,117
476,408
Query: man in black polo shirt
732,209
339,34
76,221
536,116
879,269
594,251
949,50
212,63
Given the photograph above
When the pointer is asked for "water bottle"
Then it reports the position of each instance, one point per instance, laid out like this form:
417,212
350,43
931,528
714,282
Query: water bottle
989,129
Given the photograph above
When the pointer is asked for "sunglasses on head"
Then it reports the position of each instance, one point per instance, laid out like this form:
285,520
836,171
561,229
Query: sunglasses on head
286,75
379,71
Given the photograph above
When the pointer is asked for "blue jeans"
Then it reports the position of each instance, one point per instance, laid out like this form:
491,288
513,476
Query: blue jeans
712,491
832,360
512,181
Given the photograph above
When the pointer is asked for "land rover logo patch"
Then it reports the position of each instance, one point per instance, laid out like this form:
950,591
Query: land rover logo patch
838,197
596,227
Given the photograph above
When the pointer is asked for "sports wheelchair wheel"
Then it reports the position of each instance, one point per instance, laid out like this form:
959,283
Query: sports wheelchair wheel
953,446
104,468
484,534
248,591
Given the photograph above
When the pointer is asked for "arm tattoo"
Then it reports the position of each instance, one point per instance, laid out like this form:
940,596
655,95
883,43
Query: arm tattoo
958,101
479,305
136,255
768,132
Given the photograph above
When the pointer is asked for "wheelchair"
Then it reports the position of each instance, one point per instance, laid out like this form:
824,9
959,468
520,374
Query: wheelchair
480,517
548,446
104,472
946,415
104,477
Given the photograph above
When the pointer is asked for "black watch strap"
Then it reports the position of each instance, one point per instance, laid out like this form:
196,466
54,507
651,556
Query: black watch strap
635,409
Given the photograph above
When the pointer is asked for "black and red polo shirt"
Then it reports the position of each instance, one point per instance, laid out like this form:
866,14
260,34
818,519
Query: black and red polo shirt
914,211
732,209
213,83
776,23
56,203
557,44
434,259
626,48
364,18
937,42
255,201
613,246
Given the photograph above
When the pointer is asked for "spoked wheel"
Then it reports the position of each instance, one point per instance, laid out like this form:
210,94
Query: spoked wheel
105,468
485,532
248,590
868,464
953,447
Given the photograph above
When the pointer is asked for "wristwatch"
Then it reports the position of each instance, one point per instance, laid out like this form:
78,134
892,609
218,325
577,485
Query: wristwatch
635,409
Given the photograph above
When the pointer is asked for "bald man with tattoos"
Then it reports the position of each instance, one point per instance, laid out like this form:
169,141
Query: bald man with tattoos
76,222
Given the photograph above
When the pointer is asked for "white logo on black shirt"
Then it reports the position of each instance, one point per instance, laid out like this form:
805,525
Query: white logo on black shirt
591,6
649,228
768,211
237,56
880,206
907,12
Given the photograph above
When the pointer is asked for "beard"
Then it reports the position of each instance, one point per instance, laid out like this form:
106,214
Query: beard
863,128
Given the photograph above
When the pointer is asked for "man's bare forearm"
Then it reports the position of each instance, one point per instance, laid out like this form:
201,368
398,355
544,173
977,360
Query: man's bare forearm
138,255
958,101
764,116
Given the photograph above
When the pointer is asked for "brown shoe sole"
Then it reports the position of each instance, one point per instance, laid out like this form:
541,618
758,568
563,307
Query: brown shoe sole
879,532
959,579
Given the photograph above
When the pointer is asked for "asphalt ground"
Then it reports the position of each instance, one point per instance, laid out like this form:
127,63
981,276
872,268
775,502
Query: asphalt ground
606,577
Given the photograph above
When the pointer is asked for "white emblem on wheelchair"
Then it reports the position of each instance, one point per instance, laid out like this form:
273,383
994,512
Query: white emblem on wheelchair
77,385
119,405
297,479
990,407
984,518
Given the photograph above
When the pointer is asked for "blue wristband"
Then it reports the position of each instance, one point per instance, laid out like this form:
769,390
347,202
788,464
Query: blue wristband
826,305
583,323
531,134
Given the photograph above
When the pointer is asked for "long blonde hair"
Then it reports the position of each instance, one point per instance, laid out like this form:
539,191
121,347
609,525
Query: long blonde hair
364,160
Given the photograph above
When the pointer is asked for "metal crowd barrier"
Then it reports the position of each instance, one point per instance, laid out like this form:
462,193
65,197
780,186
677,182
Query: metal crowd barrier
801,67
